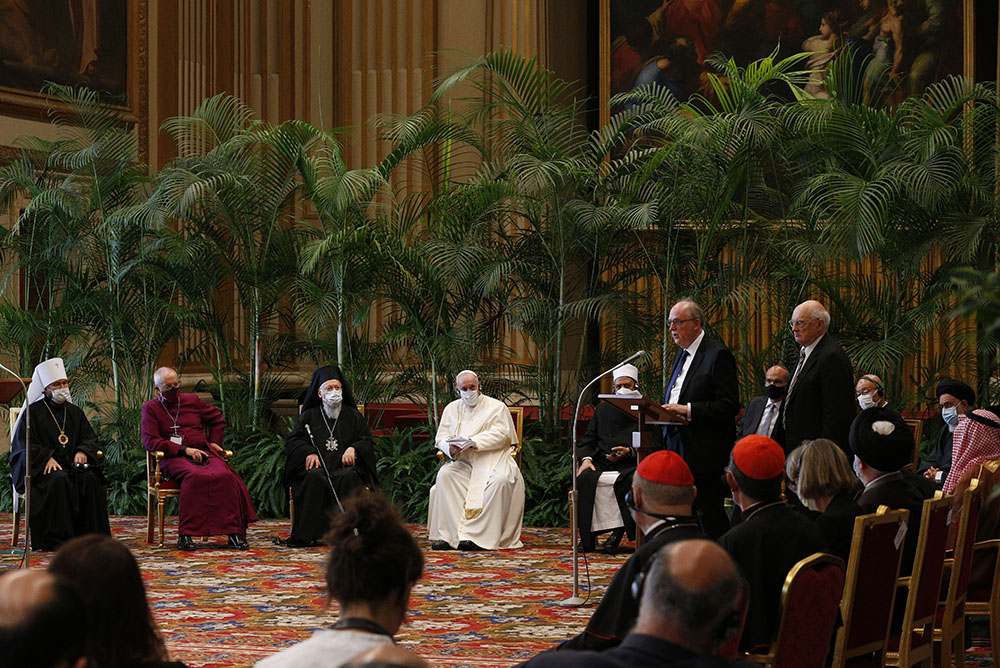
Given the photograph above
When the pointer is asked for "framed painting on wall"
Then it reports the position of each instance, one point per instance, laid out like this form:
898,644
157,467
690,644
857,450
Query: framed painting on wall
899,46
100,44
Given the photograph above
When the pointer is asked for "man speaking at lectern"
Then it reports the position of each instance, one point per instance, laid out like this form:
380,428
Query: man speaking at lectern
703,397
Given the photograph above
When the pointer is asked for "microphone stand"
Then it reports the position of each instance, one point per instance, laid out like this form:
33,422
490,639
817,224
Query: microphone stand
575,601
26,559
319,453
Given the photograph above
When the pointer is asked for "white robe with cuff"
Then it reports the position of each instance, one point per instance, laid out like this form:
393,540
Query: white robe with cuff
479,496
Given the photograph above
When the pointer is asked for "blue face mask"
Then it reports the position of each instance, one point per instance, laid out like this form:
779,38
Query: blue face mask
950,416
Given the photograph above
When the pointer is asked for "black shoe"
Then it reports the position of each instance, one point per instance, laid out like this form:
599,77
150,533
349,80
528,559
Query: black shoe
185,543
440,545
238,542
469,546
613,541
584,547
292,541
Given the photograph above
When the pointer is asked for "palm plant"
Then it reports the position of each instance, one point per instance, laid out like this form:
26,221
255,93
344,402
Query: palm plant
234,186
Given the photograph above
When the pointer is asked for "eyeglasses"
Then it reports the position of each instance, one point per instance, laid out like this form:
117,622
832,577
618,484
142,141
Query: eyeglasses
677,321
800,323
619,386
167,388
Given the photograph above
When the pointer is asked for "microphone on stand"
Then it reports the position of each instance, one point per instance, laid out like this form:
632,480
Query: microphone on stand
575,601
26,560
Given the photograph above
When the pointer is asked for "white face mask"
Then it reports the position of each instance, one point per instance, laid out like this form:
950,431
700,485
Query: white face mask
866,401
857,469
470,397
625,392
333,398
61,396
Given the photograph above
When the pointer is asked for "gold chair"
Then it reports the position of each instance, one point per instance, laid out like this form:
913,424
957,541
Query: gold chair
949,629
986,600
917,425
913,643
870,585
810,600
159,489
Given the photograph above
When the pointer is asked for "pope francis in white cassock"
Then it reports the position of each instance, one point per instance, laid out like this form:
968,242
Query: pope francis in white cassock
478,501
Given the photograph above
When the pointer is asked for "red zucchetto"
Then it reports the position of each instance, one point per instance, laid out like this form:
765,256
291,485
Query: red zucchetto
759,457
666,468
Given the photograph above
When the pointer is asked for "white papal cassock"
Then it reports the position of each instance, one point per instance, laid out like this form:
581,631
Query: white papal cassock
480,495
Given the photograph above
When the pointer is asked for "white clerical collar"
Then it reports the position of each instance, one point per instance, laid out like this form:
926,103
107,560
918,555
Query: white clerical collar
693,348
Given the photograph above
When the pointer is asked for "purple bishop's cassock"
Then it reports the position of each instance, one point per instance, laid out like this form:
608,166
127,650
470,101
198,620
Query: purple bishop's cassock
214,500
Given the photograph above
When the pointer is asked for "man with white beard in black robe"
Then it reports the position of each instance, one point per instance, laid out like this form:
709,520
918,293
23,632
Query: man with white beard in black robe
67,490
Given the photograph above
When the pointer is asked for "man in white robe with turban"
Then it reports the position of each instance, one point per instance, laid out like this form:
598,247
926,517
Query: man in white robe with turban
478,501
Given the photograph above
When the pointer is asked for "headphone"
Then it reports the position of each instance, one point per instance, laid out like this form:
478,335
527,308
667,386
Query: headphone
630,504
728,627
877,384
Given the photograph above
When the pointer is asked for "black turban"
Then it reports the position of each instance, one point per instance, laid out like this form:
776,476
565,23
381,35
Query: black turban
311,398
957,389
881,439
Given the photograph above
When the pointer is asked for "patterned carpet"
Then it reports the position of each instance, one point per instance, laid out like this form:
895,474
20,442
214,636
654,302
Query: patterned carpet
220,607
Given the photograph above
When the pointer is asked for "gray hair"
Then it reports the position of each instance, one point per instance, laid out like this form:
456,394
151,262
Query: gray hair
693,608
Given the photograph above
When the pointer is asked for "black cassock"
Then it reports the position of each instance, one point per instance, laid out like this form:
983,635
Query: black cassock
610,428
71,502
310,489
619,608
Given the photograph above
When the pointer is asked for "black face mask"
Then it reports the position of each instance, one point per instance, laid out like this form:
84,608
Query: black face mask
171,394
775,392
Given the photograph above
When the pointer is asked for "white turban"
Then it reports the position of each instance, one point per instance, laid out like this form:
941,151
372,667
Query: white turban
625,371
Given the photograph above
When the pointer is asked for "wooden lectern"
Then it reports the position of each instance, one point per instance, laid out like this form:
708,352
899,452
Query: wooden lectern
645,411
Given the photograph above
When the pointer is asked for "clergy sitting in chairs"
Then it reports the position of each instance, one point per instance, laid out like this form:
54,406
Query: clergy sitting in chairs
478,500
214,501
329,426
604,475
67,490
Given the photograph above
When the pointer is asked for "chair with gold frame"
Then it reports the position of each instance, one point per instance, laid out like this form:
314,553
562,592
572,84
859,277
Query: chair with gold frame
949,629
917,425
913,643
810,603
158,490
986,601
870,585
517,415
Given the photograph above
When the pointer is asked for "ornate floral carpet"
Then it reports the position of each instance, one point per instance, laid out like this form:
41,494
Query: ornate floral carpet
220,607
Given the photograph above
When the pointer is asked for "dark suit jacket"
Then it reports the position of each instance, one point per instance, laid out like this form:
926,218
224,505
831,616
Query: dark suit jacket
836,523
822,404
637,651
711,388
753,415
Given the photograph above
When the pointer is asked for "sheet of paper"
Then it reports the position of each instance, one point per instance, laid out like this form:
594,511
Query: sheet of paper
460,443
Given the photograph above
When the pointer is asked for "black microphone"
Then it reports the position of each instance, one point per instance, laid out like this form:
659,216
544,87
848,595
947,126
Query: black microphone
631,358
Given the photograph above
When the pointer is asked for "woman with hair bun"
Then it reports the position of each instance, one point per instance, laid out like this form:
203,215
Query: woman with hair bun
372,567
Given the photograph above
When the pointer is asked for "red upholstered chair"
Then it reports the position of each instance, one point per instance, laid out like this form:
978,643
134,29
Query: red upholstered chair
870,585
983,597
913,643
810,601
949,628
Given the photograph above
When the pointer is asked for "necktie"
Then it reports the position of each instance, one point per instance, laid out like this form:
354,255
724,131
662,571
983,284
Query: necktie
677,372
765,421
791,385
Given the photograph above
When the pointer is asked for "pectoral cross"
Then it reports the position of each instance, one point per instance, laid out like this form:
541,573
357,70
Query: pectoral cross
331,444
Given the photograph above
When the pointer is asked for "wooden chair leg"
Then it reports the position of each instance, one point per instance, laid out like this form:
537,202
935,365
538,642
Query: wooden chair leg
162,502
150,501
995,629
960,646
17,527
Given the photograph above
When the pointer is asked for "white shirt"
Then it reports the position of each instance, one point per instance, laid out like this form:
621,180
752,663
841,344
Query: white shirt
675,391
327,648
774,414
812,346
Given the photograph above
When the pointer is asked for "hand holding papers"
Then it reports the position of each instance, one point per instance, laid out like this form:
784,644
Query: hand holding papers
458,445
